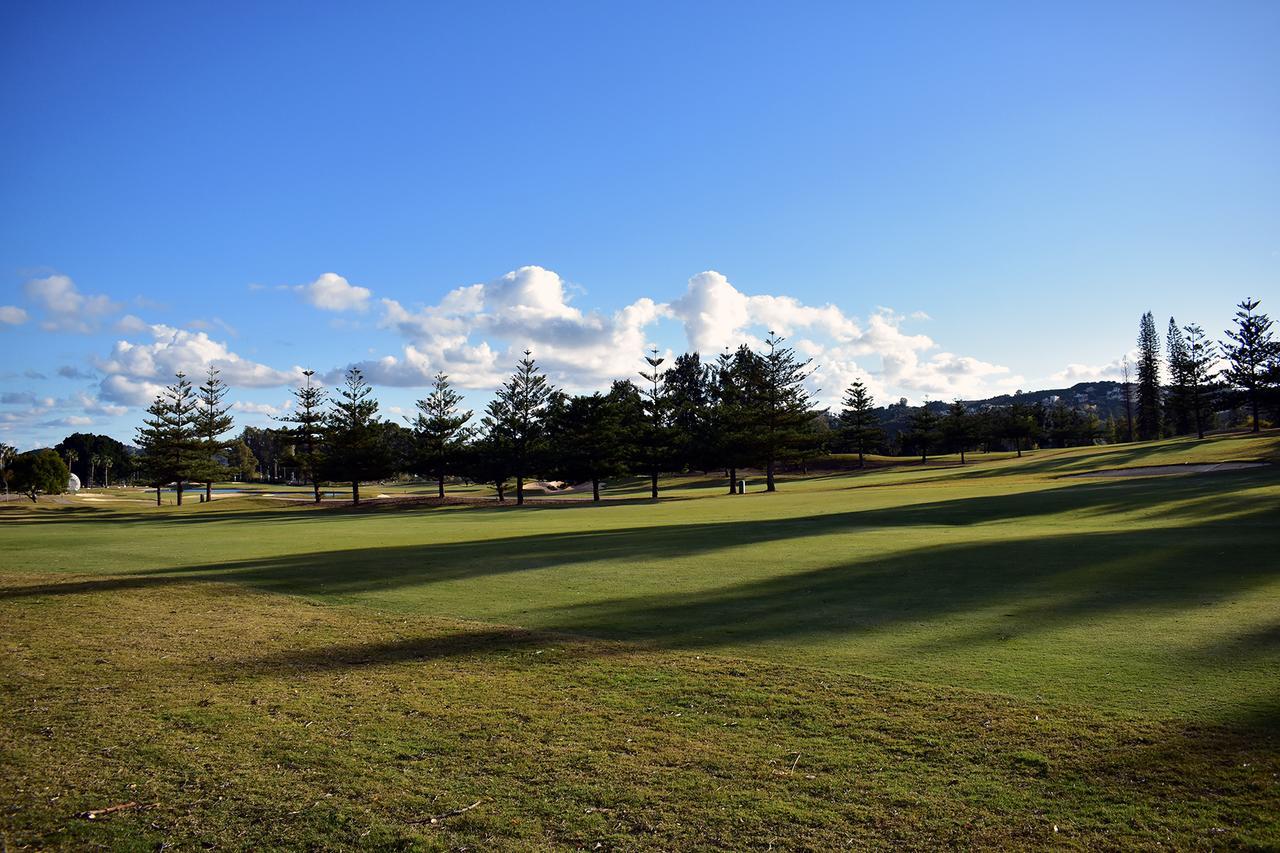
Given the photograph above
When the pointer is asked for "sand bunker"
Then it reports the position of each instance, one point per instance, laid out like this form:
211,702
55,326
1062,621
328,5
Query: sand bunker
1165,470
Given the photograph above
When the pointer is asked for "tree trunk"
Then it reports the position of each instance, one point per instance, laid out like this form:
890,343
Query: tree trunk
861,462
519,489
1199,416
208,491
179,493
440,483
770,485
962,456
158,500
733,480
653,485
1017,445
501,494
355,492
595,489
1253,398
315,484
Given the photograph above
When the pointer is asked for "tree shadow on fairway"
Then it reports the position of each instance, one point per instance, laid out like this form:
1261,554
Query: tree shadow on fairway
1244,447
351,571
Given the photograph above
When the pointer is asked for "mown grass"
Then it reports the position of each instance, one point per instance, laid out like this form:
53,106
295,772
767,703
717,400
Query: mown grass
245,721
938,609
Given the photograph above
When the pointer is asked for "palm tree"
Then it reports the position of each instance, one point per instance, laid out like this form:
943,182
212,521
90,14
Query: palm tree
94,460
7,454
106,472
72,456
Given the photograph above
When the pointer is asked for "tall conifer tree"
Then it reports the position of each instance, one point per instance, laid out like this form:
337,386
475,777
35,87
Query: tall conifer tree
211,420
1148,379
308,419
523,399
858,420
784,408
1251,353
440,429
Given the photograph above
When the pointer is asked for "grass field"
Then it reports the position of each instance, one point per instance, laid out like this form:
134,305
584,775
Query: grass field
990,655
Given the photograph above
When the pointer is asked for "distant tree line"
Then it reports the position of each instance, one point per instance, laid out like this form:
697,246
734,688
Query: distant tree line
747,409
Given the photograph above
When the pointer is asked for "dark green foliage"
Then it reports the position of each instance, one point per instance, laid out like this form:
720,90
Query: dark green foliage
274,449
490,456
783,410
308,421
172,452
959,429
585,438
211,420
1149,408
1178,403
925,431
735,390
654,432
245,464
39,472
687,385
1018,425
440,430
516,415
356,446
1198,366
8,453
860,427
1252,353
81,448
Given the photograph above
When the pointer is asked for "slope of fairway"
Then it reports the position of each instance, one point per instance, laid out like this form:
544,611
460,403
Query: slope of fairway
1152,594
224,718
988,655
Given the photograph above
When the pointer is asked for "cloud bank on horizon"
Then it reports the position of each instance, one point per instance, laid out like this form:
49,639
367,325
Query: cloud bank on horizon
475,333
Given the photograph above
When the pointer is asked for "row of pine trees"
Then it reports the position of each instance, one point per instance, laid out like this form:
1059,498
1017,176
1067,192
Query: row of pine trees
746,409
1250,359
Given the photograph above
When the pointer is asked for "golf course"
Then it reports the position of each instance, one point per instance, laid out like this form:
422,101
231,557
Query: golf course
1015,652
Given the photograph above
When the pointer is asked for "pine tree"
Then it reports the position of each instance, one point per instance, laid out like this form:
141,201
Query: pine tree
171,448
585,438
523,398
354,447
1018,424
440,429
1178,403
734,392
958,427
1251,352
655,432
490,457
784,408
308,419
859,425
687,388
1201,354
1148,379
924,430
211,419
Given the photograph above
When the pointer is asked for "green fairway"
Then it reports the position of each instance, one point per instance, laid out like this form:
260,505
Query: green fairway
1149,602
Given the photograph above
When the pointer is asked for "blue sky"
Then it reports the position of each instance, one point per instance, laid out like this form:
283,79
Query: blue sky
943,199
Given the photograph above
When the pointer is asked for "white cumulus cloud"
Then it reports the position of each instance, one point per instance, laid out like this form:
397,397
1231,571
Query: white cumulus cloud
12,315
332,292
65,307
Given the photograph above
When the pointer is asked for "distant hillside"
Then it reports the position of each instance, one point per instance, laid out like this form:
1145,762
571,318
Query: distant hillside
1105,399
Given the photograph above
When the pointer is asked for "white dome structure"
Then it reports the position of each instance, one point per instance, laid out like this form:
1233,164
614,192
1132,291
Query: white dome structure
73,484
